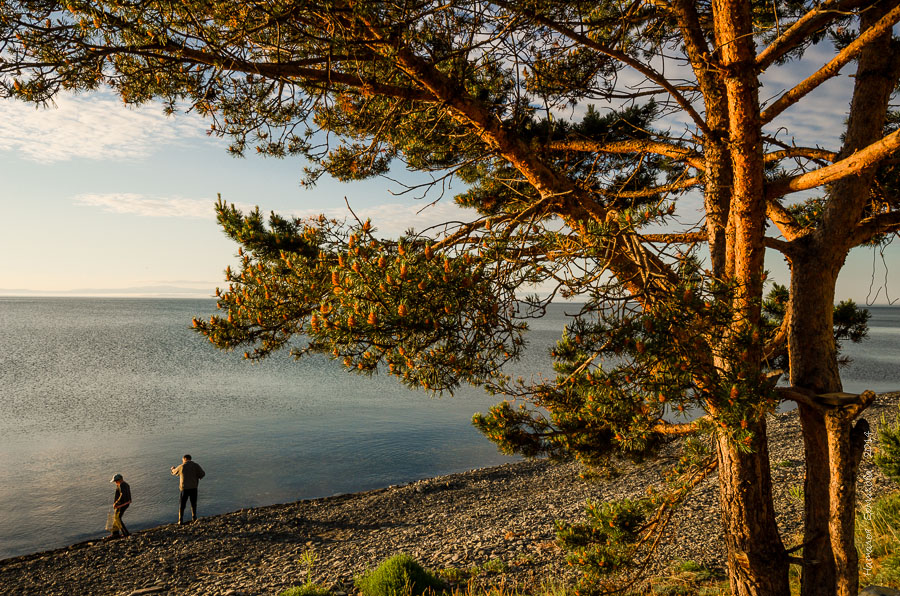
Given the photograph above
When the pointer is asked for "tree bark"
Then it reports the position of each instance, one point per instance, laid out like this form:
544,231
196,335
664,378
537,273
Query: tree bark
818,573
813,357
757,562
842,493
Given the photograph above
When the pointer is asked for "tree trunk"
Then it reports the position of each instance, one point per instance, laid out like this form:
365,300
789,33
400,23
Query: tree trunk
757,565
845,450
818,574
813,357
833,446
757,562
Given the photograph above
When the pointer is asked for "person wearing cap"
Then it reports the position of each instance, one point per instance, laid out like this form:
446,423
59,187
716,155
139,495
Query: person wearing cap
120,503
189,474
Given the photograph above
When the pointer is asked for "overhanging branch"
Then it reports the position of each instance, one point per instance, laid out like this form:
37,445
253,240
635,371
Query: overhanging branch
637,146
859,161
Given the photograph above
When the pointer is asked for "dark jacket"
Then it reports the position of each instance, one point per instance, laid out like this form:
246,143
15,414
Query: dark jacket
123,495
189,475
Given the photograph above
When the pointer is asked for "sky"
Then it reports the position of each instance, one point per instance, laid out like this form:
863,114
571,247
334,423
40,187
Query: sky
100,198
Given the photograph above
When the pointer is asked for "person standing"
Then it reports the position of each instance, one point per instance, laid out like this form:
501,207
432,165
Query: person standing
189,474
120,503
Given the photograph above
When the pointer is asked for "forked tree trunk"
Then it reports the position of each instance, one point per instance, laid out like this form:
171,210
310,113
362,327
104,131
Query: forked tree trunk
833,447
757,562
813,358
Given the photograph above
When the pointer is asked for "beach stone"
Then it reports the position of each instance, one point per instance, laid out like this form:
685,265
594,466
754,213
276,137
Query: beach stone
879,591
150,590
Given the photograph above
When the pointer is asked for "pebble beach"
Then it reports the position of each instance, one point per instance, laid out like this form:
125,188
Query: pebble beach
499,520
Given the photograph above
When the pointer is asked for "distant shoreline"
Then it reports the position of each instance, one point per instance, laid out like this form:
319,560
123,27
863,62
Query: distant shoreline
203,294
161,295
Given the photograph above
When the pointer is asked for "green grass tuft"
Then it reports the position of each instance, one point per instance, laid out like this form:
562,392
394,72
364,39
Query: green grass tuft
308,589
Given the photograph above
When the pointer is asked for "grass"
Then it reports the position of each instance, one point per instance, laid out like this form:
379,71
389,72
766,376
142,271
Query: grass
688,578
496,566
795,493
309,588
306,590
878,541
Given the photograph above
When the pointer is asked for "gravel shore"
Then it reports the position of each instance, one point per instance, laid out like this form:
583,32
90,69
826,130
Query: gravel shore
477,518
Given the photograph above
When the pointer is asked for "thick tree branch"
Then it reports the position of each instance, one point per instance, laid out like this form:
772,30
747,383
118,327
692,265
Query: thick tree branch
883,223
285,71
784,221
813,21
677,430
649,192
833,67
813,153
778,344
785,248
687,238
695,44
854,164
799,395
637,146
643,272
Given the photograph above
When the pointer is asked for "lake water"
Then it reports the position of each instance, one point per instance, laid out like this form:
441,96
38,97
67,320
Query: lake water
92,387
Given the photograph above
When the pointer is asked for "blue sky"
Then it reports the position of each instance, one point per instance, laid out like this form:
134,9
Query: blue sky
98,197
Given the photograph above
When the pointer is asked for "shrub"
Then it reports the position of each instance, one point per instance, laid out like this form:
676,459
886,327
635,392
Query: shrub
307,589
400,575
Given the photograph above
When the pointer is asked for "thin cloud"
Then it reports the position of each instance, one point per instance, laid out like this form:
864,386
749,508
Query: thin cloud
91,127
390,220
148,206
394,219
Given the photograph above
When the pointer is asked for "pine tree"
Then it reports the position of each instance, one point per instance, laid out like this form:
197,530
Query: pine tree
579,129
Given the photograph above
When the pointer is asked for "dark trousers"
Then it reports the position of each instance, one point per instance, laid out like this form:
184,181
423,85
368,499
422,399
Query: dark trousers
119,513
188,493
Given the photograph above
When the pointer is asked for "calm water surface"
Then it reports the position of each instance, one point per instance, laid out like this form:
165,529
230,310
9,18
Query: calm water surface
92,387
